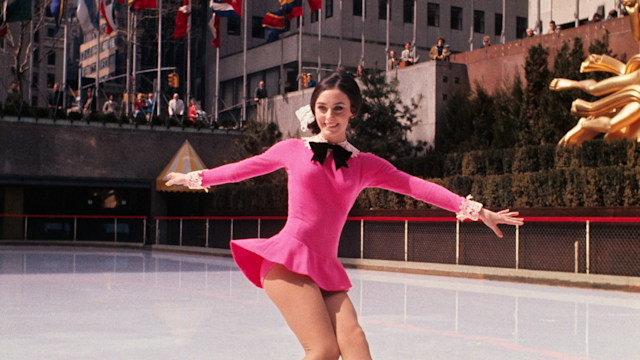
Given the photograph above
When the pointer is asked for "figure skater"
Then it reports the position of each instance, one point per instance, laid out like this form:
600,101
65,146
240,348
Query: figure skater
298,268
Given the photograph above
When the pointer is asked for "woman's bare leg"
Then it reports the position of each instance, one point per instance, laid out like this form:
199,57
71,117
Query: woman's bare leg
303,307
351,339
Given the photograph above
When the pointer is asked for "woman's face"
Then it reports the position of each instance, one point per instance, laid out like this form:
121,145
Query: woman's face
333,112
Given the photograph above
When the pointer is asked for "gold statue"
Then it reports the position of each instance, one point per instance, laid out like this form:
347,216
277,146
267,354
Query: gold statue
617,115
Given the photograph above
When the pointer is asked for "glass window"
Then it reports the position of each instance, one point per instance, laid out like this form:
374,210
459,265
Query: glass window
456,18
233,26
498,25
433,14
51,32
34,80
478,21
51,59
314,16
328,9
521,26
51,79
382,9
407,11
357,7
257,31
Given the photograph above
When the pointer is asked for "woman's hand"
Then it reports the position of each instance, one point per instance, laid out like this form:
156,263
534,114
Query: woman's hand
492,219
176,178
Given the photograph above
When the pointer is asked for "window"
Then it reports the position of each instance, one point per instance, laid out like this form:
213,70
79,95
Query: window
233,26
456,18
257,31
498,25
314,16
433,15
36,37
328,9
407,11
51,32
382,9
34,80
51,59
357,8
521,26
478,21
51,79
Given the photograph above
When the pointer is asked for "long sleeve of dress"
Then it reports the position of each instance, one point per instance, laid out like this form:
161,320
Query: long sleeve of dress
269,161
386,176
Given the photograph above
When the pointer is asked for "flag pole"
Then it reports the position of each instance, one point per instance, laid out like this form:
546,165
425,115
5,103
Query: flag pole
386,49
97,92
319,44
362,33
415,27
300,23
64,69
128,76
217,88
159,75
340,47
188,79
243,119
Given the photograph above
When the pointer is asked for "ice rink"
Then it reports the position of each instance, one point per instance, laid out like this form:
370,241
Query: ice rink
102,303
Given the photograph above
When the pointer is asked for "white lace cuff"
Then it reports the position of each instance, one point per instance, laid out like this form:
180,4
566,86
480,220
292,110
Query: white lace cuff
194,181
469,209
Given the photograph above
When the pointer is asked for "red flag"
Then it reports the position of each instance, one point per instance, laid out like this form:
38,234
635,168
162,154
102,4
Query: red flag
236,4
182,20
214,25
146,4
315,4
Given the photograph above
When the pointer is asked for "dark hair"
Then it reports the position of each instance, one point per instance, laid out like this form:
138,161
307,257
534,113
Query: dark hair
342,81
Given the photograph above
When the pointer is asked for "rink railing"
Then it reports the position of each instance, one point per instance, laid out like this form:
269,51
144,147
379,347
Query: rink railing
596,245
117,229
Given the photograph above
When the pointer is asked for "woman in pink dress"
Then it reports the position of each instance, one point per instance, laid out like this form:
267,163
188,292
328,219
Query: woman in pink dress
298,268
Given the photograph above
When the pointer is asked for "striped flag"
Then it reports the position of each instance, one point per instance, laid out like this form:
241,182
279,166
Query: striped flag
225,8
108,10
182,20
57,10
86,16
273,23
214,26
291,8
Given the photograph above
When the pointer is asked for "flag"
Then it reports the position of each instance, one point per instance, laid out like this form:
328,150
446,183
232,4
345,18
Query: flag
108,10
315,4
17,10
274,20
182,20
236,5
273,24
3,22
224,8
57,9
86,16
145,4
291,8
214,25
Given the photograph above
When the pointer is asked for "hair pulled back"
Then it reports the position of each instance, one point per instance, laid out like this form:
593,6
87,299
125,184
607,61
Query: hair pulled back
342,81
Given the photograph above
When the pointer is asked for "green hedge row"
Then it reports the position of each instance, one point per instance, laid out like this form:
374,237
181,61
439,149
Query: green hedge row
592,154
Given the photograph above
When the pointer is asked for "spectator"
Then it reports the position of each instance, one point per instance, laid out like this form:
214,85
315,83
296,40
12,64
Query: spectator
310,82
55,100
89,104
596,17
529,33
260,93
109,106
408,55
486,41
14,97
360,71
140,105
613,14
440,51
392,63
176,107
553,29
288,87
148,111
193,111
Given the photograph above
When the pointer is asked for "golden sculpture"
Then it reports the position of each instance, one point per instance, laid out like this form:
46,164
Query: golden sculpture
617,115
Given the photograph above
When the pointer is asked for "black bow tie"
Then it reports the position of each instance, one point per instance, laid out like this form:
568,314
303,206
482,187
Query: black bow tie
340,155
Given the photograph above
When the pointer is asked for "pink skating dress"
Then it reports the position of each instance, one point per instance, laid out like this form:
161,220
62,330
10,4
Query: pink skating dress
319,201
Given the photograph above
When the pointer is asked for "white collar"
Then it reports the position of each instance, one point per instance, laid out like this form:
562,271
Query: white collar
320,139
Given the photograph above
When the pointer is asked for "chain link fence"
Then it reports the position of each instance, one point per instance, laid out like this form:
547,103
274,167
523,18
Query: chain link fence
608,246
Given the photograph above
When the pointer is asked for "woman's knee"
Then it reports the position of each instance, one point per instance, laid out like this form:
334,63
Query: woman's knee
353,338
329,350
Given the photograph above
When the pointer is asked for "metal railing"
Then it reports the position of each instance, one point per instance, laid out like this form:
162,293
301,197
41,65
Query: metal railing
586,245
117,229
